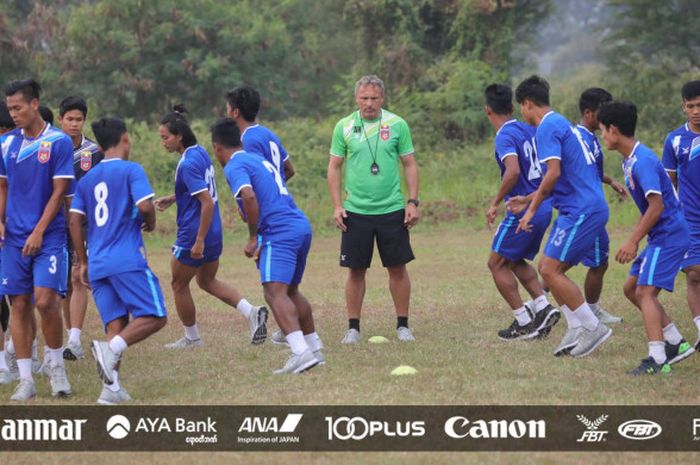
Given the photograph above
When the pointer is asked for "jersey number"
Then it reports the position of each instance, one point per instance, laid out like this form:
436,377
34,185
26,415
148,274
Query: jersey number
52,268
558,236
278,178
590,158
275,151
210,179
101,209
535,171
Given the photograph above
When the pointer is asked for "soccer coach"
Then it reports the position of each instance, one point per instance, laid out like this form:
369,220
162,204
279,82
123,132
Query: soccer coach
371,141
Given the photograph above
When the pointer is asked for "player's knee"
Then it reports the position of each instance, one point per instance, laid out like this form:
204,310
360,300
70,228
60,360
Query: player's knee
204,284
45,304
644,293
357,274
693,275
629,290
178,284
160,323
548,270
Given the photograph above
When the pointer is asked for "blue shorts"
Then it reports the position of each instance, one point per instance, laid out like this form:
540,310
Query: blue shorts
48,268
524,245
283,257
599,254
658,266
133,292
692,257
572,237
211,254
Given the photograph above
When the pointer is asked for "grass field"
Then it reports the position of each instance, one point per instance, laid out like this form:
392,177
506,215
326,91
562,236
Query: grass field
456,312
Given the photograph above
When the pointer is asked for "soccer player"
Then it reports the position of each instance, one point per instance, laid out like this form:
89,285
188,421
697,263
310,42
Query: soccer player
199,235
665,228
572,181
243,105
681,159
35,171
6,125
72,113
279,241
520,175
597,259
117,201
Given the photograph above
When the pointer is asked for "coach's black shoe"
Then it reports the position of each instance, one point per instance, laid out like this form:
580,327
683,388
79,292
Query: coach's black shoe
516,331
545,321
650,367
678,352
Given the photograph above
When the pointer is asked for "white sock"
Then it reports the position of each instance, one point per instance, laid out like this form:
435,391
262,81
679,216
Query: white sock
244,307
54,356
114,387
313,341
192,332
657,351
522,316
696,320
11,346
586,317
541,303
35,354
594,306
672,335
297,342
117,345
74,335
25,368
572,320
3,362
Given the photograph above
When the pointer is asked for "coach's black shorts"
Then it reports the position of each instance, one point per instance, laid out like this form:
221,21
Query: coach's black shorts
357,243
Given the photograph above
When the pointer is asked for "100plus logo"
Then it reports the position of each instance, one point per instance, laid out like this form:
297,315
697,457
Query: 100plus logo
358,428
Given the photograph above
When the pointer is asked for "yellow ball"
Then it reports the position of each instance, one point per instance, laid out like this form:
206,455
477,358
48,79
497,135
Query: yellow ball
403,370
377,340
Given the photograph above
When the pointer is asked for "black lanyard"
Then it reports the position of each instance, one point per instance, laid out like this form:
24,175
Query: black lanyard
374,169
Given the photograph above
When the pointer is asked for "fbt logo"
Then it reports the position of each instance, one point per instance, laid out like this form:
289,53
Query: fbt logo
270,424
461,427
592,433
639,430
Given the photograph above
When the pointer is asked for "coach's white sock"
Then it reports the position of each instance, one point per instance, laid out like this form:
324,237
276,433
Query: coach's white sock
572,320
244,307
696,320
297,342
594,306
3,362
117,345
54,356
657,351
192,332
541,303
114,387
313,341
25,368
672,335
74,335
522,316
586,317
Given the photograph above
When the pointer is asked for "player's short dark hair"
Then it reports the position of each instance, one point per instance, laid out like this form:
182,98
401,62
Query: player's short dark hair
46,114
535,89
622,115
177,124
72,103
591,99
246,99
690,90
225,132
6,120
499,98
29,88
108,132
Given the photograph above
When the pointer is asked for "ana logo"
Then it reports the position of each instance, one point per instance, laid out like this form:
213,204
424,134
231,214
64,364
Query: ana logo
85,161
270,424
118,426
639,430
385,132
592,434
461,427
44,153
357,428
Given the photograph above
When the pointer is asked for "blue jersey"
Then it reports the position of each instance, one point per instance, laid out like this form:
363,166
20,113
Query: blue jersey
594,147
578,189
259,139
30,167
644,175
682,155
195,174
518,139
108,196
278,212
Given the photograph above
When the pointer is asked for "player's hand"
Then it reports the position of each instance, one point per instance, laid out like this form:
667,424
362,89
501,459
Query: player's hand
197,250
84,275
517,204
163,203
338,214
412,216
524,223
491,215
627,252
145,227
619,188
33,244
2,232
251,249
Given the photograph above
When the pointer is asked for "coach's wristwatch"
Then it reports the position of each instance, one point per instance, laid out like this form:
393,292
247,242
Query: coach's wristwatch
415,202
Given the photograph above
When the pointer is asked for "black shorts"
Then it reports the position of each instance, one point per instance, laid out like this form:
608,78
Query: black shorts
357,243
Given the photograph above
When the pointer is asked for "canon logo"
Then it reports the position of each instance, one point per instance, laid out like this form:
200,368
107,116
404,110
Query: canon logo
357,428
461,427
639,430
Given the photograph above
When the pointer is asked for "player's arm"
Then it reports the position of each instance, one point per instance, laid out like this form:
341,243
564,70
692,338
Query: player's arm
669,160
616,186
53,206
288,169
508,182
205,219
543,192
3,206
148,214
250,205
75,227
335,165
674,178
628,251
163,203
410,169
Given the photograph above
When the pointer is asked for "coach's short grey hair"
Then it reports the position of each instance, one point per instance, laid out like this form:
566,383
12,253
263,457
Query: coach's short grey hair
369,80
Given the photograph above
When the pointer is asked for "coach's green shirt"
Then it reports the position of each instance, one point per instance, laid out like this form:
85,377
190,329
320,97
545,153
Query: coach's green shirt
356,139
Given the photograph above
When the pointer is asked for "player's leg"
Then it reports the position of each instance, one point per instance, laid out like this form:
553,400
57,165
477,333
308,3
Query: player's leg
692,276
545,314
78,309
597,262
22,337
653,324
182,275
48,306
504,278
255,316
356,249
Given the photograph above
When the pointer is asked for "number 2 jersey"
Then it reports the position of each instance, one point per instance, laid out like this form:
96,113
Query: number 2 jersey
30,167
195,174
108,196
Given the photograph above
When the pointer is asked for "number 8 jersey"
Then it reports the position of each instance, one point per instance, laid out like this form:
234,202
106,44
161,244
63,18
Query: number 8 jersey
108,195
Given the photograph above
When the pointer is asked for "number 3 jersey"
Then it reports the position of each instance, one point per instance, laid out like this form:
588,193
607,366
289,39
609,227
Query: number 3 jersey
194,175
30,167
108,195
